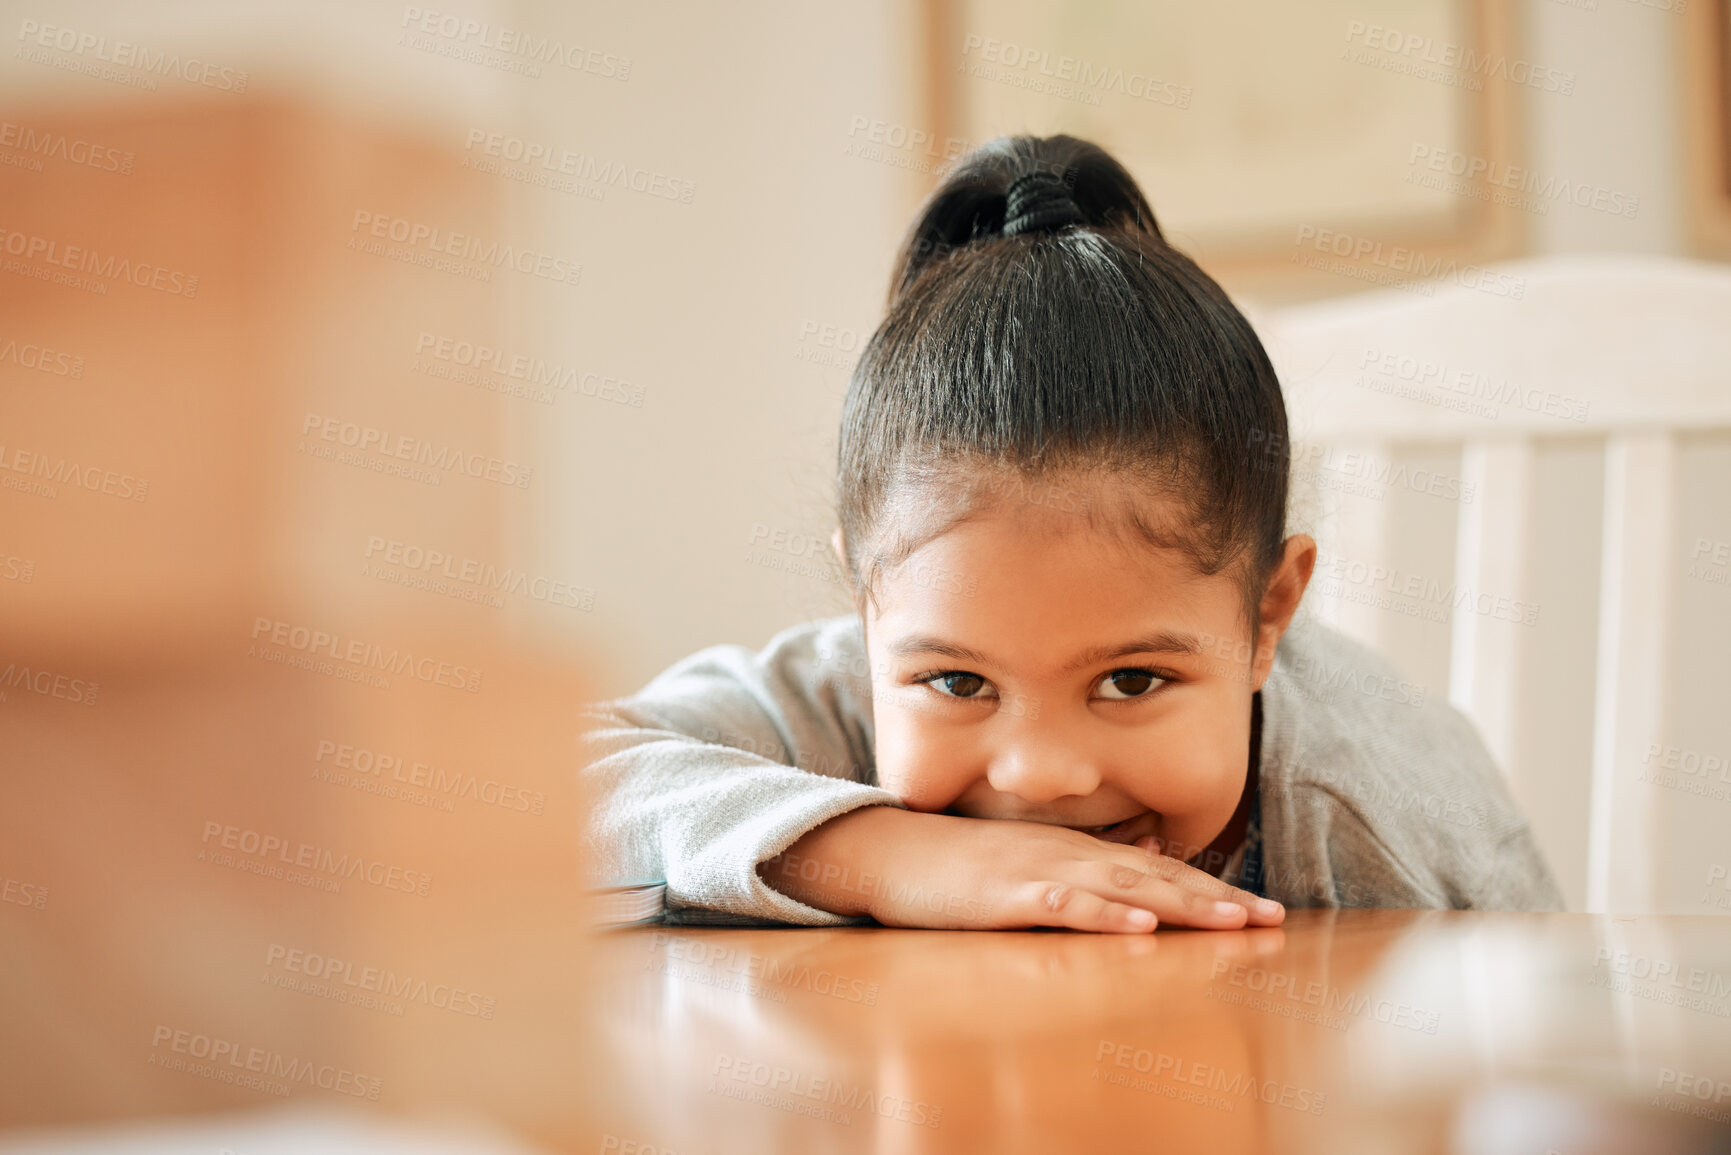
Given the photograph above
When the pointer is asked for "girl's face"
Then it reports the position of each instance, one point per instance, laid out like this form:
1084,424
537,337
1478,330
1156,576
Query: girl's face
1027,664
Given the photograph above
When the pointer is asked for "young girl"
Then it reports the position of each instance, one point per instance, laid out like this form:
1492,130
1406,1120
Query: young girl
1070,696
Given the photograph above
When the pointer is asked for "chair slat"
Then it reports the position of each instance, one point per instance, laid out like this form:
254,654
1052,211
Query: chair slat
1628,707
1490,578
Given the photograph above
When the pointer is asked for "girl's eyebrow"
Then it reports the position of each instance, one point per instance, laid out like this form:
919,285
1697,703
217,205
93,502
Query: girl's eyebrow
927,644
1164,642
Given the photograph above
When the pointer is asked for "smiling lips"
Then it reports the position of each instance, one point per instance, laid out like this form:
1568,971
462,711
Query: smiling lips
1126,831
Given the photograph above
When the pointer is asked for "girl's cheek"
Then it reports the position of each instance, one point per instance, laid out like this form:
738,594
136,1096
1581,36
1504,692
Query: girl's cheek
1179,783
926,770
1191,766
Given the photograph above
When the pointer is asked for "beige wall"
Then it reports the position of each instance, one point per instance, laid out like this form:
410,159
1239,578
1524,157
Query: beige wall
733,314
1622,128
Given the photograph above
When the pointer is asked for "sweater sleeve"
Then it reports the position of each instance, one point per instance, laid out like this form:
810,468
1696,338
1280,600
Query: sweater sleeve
1377,794
1518,878
725,760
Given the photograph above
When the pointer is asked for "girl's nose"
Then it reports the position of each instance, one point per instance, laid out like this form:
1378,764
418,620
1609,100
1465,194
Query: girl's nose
1041,771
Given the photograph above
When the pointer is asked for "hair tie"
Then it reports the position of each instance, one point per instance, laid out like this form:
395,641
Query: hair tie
1039,202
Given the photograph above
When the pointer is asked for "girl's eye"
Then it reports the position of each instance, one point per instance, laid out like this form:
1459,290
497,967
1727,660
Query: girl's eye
955,684
1120,684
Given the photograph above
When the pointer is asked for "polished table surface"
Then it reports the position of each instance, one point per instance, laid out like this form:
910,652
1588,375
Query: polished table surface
1372,1031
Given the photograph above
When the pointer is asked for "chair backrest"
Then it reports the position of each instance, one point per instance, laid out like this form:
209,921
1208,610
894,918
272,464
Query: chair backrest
1491,468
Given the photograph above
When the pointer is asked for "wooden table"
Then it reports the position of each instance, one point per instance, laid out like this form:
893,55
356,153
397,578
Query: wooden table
1356,1031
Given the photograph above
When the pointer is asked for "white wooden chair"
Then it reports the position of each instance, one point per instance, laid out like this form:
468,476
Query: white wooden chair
1557,411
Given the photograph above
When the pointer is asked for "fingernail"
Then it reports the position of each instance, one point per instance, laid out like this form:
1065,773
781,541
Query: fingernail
1142,918
1268,906
1227,908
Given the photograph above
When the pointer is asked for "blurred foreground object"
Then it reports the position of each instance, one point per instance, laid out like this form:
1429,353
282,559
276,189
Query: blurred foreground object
291,806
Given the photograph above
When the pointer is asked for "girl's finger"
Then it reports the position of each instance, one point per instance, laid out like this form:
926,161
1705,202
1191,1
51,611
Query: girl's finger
1262,911
1171,899
1175,905
1076,908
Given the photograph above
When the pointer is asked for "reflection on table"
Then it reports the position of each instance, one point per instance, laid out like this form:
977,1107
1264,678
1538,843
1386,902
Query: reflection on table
1372,1031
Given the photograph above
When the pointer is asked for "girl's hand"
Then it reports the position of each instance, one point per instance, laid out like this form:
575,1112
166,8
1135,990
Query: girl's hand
909,869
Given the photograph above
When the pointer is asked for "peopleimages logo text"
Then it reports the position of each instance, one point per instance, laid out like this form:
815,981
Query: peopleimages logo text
516,42
307,640
125,54
59,146
444,242
308,856
258,1061
144,274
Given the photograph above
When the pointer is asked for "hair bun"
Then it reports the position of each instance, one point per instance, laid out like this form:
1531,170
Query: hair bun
1016,185
1039,202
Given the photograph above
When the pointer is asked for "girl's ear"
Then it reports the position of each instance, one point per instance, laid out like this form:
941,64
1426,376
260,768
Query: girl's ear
839,545
1280,601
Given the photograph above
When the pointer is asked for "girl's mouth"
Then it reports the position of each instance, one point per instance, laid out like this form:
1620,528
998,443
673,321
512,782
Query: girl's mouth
1127,830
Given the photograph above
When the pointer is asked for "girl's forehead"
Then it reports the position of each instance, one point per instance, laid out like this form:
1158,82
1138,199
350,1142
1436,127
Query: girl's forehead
992,586
1098,507
1025,535
1030,561
1038,543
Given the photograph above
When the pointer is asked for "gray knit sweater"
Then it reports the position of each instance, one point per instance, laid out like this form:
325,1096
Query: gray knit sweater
1370,793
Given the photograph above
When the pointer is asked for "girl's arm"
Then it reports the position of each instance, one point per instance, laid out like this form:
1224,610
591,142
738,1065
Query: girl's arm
724,761
906,868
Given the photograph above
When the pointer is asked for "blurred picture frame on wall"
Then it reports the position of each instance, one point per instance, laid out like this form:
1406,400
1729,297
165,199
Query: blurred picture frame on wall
1706,50
1387,135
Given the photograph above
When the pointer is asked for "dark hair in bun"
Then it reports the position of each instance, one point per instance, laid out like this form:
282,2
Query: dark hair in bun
1038,321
